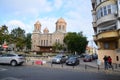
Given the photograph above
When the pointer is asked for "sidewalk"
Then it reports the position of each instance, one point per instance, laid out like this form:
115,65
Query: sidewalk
82,66
94,64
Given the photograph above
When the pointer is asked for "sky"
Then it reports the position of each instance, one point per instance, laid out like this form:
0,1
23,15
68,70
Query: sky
25,13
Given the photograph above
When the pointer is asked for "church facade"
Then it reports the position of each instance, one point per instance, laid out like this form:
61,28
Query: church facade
43,42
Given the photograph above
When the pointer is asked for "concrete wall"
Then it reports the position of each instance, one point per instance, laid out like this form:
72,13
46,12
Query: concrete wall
112,53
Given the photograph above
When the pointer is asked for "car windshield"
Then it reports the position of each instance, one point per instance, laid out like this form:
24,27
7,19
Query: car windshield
72,58
58,56
87,56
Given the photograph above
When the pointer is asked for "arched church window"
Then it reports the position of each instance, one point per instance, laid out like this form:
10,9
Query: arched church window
63,27
59,27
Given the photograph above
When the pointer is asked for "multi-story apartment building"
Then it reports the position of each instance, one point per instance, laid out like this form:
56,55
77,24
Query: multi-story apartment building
106,25
44,41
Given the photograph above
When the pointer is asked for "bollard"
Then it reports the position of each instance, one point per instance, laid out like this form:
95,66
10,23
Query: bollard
116,66
85,66
32,62
79,62
73,66
62,65
98,67
51,64
98,63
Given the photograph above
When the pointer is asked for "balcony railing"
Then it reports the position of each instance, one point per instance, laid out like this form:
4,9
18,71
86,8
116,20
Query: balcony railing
107,34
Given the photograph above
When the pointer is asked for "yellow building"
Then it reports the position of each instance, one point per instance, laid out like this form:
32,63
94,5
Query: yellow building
106,25
44,41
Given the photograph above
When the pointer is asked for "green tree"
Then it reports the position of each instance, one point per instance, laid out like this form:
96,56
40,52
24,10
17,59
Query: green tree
75,42
28,41
4,34
18,37
57,46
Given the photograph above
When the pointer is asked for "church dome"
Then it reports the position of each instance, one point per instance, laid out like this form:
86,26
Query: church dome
46,30
61,20
38,22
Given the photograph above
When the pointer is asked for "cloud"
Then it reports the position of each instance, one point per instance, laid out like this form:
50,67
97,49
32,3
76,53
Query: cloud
16,23
77,14
25,7
48,22
58,4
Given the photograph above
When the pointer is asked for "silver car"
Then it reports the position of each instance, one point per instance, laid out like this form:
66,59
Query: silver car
12,58
59,59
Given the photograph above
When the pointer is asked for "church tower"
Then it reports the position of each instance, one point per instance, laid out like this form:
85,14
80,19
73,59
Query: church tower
61,25
36,36
37,27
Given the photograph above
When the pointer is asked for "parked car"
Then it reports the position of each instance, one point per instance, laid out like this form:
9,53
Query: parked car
94,56
83,55
72,55
59,59
72,61
12,59
87,58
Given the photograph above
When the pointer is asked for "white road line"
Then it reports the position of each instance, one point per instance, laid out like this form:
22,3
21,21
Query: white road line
10,78
3,69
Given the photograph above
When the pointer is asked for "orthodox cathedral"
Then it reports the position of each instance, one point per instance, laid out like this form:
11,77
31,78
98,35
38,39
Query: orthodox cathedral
43,42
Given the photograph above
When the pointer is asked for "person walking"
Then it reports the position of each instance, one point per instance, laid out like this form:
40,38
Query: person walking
105,62
110,62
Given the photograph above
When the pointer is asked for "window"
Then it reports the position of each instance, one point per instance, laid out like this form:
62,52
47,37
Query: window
56,40
59,27
105,11
106,45
63,27
46,42
101,12
10,55
117,58
109,9
41,42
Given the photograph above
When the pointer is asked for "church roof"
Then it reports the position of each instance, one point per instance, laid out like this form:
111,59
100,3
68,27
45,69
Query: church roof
46,30
60,20
37,22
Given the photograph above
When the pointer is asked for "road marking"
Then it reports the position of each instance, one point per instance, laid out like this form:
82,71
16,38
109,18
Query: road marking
3,69
10,78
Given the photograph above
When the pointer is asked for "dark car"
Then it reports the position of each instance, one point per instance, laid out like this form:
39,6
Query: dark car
87,58
72,61
94,56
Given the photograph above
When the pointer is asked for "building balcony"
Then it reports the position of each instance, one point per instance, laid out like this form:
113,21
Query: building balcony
107,18
108,35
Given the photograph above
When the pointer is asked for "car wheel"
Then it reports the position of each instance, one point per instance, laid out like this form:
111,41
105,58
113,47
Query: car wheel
13,63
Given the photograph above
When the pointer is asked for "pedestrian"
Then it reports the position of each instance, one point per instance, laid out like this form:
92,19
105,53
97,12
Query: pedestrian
105,62
110,62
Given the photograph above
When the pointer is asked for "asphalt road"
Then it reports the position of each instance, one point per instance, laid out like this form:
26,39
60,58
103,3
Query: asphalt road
29,72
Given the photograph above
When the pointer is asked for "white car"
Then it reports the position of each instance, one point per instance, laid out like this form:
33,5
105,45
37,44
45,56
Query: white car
12,59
